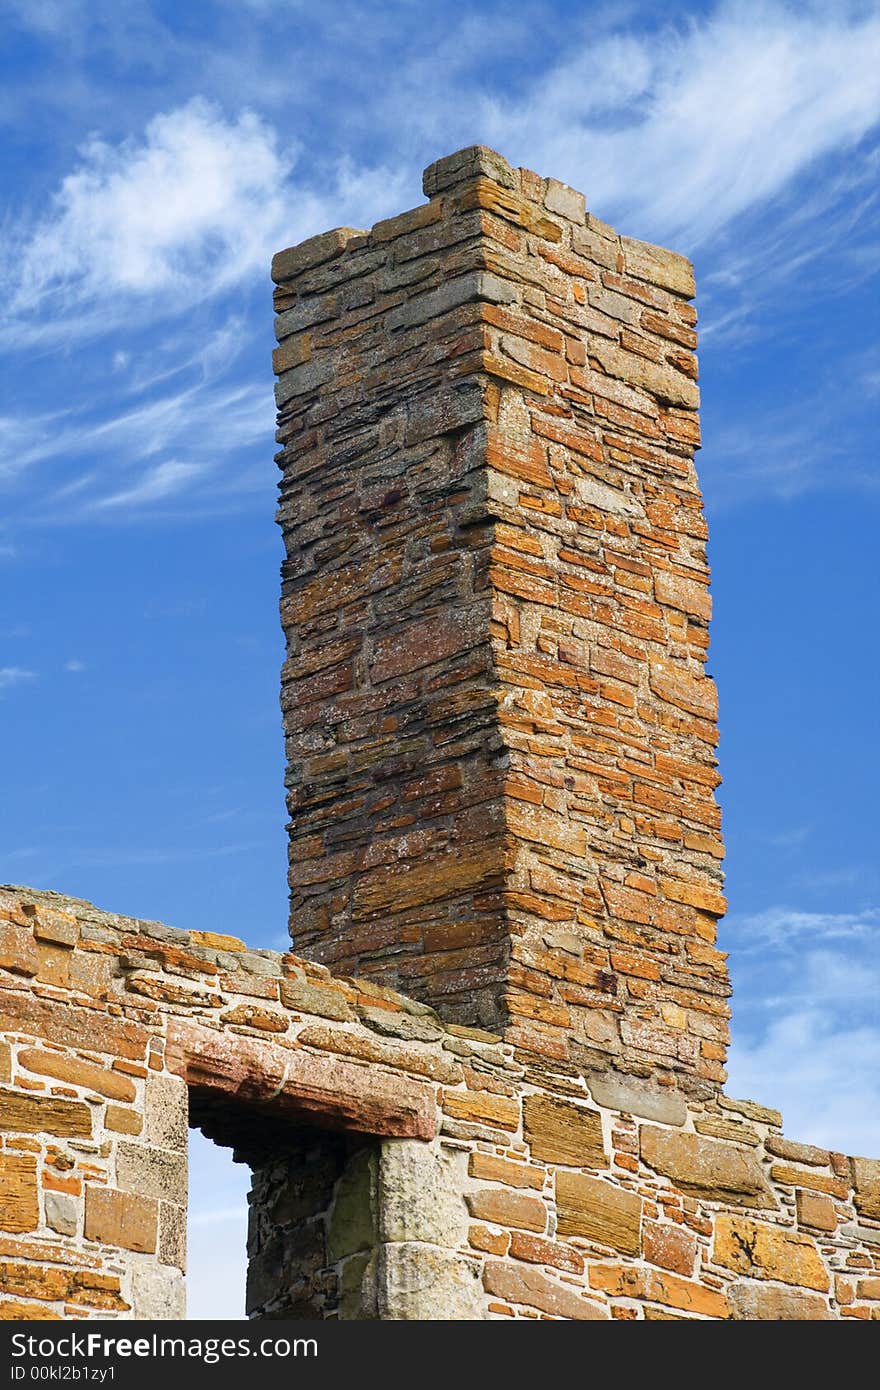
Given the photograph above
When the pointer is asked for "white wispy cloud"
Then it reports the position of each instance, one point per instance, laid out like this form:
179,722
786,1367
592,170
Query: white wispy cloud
683,129
788,928
825,1077
194,205
178,417
11,676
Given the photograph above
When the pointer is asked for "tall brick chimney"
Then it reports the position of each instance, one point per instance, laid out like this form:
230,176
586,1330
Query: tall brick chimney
499,727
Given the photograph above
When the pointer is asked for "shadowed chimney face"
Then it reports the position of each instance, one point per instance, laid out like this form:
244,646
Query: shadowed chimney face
499,728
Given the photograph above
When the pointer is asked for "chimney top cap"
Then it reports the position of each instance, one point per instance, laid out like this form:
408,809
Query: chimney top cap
466,164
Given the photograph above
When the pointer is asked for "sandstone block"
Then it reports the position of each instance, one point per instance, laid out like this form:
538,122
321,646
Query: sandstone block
482,1107
666,1107
123,1120
149,1172
768,1303
421,1193
301,1083
493,1169
867,1183
321,1000
77,1072
658,266
422,1282
706,1167
13,1311
559,1131
476,161
762,1251
22,1114
158,1293
598,1211
123,1219
166,1112
565,201
506,1207
671,1247
90,1029
18,951
534,1289
253,1016
655,1286
172,1235
815,1211
62,1213
317,250
19,1205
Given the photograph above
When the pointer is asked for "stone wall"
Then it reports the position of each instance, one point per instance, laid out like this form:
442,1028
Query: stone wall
403,1168
500,737
500,731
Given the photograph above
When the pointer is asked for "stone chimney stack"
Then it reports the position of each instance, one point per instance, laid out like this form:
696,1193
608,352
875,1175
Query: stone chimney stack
500,732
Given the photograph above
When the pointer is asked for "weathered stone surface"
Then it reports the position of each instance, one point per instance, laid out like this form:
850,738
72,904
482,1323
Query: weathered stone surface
13,1311
166,1112
558,1131
123,1120
408,1027
18,951
671,1247
866,1172
121,1218
506,1207
472,162
19,1206
555,395
599,1212
354,1219
815,1211
423,1282
705,1167
656,1286
780,1147
520,1284
493,1169
73,1026
62,1213
483,1108
666,1107
315,999
433,1065
151,1172
769,1303
256,1071
158,1292
659,266
762,1251
172,1235
286,265
750,1110
253,1016
25,1114
421,1193
718,1127
78,1072
86,1289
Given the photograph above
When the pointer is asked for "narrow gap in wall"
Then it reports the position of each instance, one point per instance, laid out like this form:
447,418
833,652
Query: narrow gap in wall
216,1231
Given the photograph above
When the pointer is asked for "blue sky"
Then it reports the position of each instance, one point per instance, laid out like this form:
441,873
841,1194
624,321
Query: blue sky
155,156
